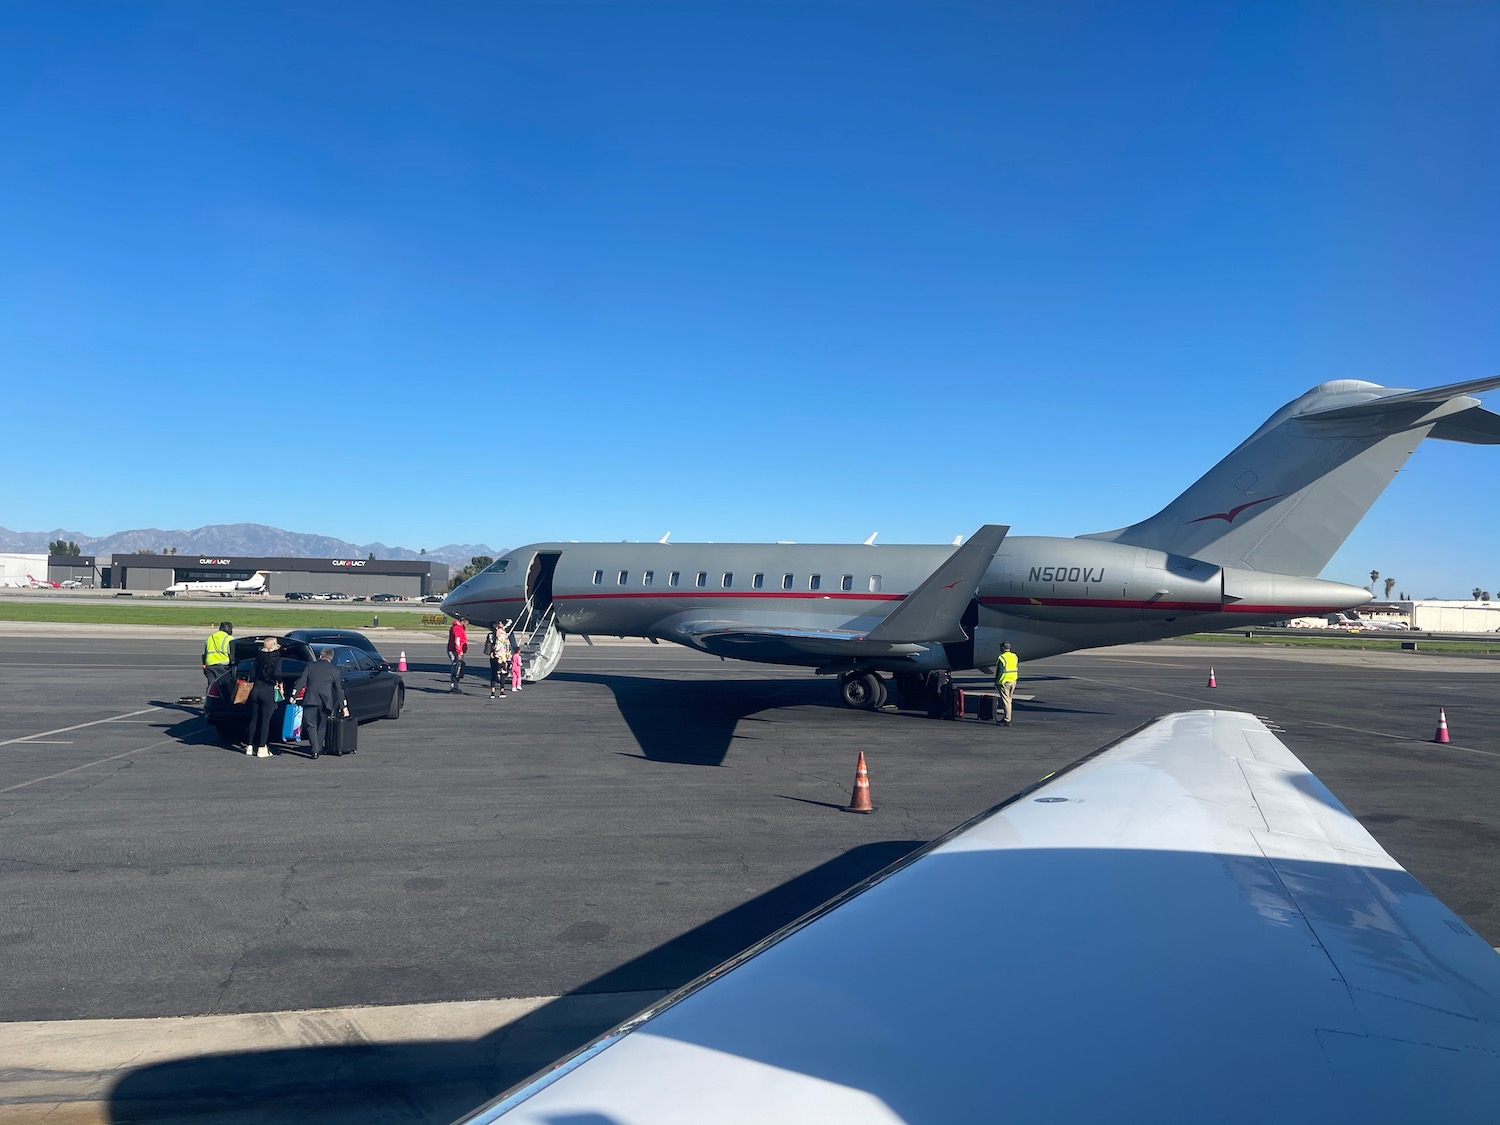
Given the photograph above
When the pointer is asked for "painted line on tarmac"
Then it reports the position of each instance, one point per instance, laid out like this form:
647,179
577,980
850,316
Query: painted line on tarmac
69,1070
1306,722
88,765
79,726
48,742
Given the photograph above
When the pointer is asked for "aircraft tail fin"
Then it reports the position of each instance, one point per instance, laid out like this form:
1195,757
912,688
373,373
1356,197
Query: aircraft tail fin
1289,495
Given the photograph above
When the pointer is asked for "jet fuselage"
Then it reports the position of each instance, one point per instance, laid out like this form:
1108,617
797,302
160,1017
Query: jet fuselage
1043,595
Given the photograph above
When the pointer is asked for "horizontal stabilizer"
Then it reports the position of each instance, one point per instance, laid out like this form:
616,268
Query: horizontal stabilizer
934,610
1432,396
1476,426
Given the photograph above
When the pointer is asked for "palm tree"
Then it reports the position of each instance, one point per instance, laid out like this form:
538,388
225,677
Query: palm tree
1389,584
1374,578
1476,592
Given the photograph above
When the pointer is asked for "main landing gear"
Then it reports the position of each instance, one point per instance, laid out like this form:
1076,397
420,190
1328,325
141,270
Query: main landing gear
870,691
864,691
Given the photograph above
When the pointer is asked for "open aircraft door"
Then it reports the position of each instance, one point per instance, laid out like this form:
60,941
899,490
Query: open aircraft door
542,646
539,580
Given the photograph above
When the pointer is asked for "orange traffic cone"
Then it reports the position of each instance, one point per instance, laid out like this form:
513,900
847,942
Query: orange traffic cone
1211,681
401,664
859,800
1442,731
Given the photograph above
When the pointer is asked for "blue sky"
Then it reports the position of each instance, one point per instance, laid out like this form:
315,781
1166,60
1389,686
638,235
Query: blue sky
510,272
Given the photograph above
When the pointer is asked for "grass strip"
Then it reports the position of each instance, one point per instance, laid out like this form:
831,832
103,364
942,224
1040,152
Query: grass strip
1353,641
245,617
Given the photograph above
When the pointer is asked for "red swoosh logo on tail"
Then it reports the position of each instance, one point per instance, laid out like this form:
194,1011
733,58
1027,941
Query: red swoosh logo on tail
1228,517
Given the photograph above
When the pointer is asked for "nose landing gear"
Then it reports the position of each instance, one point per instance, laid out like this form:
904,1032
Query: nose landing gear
864,691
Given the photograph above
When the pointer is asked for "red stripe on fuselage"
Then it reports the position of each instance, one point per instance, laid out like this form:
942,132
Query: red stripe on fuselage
1131,603
992,602
818,595
776,595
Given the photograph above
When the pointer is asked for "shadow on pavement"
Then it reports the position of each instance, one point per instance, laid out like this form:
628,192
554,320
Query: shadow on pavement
692,723
436,1081
192,729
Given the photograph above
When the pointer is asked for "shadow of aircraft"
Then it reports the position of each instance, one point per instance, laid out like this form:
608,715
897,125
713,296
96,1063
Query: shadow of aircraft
436,1081
692,723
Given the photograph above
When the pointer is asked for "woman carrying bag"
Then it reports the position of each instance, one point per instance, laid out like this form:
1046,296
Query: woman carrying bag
265,685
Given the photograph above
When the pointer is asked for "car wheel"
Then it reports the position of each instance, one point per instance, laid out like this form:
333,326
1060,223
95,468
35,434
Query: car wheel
398,700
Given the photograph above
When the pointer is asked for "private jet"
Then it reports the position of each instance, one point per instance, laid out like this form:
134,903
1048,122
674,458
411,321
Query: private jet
1238,548
255,584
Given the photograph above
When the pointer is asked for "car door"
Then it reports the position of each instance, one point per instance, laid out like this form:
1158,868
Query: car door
356,680
380,684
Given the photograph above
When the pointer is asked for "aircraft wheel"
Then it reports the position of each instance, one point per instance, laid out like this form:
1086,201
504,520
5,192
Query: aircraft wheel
884,695
912,688
862,691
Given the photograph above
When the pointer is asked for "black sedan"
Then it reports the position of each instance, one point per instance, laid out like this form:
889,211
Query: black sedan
320,637
373,690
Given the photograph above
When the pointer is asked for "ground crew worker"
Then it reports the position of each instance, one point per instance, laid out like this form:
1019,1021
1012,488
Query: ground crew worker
1007,672
216,652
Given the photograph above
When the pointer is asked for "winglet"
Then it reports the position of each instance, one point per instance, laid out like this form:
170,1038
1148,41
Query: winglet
935,609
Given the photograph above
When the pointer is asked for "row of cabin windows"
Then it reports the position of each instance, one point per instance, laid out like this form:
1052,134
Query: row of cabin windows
726,580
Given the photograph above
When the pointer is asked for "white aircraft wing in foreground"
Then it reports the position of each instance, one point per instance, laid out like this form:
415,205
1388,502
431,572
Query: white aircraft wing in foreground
1184,927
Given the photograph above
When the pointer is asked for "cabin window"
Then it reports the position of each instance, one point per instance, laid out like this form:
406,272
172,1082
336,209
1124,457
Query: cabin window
758,581
846,582
786,581
598,577
728,579
648,577
874,583
674,578
497,567
624,577
701,580
814,581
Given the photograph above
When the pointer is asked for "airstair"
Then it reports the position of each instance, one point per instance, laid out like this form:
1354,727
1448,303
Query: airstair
541,641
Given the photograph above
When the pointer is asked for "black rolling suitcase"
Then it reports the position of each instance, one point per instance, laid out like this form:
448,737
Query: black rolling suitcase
343,735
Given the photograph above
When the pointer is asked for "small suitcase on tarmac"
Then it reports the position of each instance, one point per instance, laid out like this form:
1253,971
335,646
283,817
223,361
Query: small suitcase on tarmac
956,702
343,735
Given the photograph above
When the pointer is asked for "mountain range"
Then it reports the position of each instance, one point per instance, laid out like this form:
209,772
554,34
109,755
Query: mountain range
254,539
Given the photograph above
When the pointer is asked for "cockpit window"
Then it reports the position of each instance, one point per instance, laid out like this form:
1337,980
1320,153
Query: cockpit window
497,567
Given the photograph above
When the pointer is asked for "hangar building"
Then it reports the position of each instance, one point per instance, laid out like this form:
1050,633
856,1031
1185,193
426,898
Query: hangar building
355,577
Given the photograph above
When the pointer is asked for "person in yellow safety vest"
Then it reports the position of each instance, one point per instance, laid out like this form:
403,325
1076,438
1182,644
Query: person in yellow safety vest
1007,671
216,652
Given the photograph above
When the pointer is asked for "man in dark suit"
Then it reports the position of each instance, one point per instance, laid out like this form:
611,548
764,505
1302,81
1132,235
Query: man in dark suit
323,700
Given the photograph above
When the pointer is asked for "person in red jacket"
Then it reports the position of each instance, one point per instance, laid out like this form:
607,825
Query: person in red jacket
458,644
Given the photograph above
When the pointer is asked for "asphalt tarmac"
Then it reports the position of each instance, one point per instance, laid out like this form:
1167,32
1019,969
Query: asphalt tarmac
622,827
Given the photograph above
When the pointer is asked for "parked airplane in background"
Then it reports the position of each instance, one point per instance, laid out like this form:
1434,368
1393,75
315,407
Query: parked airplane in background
1237,548
256,584
42,584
